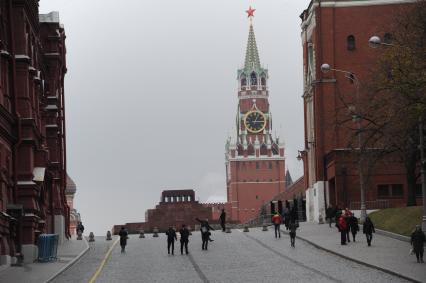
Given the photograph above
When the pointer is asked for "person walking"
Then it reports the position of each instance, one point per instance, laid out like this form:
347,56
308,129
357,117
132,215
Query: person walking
205,233
348,214
171,238
123,239
342,226
286,216
330,214
292,228
184,239
80,228
276,219
418,239
353,225
222,218
368,230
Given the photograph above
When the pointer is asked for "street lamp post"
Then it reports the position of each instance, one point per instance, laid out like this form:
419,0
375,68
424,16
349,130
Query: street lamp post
375,42
326,68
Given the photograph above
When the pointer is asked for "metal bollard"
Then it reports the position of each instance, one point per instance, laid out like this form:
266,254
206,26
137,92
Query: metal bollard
91,237
155,231
246,229
142,234
79,235
228,230
265,227
108,237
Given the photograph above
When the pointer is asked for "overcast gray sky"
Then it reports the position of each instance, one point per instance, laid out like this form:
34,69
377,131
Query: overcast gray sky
151,96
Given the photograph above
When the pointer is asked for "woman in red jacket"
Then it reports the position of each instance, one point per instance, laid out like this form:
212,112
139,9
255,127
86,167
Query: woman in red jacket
343,226
276,219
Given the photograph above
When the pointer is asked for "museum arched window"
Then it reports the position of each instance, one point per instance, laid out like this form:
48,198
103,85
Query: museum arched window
351,42
253,79
388,38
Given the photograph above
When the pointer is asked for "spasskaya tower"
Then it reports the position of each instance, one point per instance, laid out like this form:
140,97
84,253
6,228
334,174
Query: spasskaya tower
255,164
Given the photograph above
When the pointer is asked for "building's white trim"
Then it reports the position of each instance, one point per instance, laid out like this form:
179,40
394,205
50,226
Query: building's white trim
353,3
255,158
260,182
25,183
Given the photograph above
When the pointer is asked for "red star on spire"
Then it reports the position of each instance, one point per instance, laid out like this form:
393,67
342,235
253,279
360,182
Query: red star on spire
250,12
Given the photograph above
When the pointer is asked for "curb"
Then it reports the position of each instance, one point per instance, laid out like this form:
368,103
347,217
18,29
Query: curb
390,234
71,263
356,260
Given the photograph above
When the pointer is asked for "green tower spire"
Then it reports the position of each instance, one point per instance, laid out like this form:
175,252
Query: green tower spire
252,61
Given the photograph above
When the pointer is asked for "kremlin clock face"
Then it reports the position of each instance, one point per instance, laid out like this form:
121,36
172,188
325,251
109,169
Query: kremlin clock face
255,121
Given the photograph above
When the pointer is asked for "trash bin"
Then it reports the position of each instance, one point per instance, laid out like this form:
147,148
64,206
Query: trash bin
47,247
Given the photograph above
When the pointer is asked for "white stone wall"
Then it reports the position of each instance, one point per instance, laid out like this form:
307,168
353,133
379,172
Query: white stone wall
60,228
315,204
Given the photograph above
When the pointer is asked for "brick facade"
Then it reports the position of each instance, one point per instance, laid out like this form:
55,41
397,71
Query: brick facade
32,123
337,33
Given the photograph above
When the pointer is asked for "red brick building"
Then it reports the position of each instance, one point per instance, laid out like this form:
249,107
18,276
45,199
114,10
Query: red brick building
176,207
255,163
32,128
337,33
74,217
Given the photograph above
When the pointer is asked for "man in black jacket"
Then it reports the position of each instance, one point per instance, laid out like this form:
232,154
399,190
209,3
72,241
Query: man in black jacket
123,238
171,238
184,238
368,230
418,239
222,218
205,232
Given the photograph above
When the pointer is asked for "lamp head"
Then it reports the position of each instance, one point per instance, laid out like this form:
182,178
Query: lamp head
325,68
374,41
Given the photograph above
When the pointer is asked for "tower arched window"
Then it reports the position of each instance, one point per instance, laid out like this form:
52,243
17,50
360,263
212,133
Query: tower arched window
263,149
253,79
351,42
263,81
243,81
240,150
250,149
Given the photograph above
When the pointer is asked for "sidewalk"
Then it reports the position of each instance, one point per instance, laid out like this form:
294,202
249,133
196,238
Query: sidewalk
68,253
388,254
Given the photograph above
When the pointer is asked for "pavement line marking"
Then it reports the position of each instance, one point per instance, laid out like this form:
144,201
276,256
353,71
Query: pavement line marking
292,260
198,269
104,260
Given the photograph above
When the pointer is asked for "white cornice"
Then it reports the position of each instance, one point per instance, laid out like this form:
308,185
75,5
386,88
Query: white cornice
354,3
255,158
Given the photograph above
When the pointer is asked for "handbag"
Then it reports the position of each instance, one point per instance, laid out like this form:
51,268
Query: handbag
411,251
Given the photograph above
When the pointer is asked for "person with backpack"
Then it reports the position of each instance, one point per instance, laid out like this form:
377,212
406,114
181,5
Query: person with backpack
171,238
276,219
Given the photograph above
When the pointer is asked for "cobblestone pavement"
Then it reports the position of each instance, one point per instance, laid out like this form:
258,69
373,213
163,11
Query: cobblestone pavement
86,266
385,252
255,256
